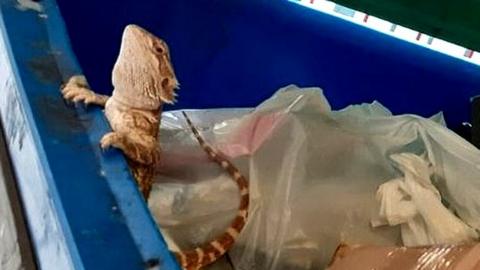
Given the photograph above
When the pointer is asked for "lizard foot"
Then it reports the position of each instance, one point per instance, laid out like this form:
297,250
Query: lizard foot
76,90
143,153
112,139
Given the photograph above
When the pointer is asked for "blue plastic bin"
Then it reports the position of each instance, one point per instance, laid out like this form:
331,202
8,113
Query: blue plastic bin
81,204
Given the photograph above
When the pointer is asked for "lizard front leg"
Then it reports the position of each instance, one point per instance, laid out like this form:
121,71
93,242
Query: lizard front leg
76,90
140,148
142,153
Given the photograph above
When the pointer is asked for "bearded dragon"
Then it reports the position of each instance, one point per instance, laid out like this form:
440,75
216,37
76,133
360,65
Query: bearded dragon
144,79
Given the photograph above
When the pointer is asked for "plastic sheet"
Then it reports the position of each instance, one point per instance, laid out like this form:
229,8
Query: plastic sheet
436,257
313,176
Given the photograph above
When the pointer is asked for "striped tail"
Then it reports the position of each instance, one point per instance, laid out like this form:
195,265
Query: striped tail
208,253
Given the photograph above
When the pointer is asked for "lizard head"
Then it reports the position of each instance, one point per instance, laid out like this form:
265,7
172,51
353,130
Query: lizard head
144,66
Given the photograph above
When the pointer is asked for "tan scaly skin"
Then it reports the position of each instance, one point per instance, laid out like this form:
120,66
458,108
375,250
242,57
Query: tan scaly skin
144,79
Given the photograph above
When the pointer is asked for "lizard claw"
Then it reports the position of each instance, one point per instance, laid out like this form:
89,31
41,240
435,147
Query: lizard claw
77,92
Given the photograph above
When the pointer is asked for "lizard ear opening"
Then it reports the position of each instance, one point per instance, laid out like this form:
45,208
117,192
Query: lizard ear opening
159,49
165,83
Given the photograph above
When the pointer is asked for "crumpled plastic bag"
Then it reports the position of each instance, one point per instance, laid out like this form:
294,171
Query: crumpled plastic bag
413,202
313,176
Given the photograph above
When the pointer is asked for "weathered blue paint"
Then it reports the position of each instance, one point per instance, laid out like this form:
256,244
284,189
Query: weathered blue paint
82,207
236,53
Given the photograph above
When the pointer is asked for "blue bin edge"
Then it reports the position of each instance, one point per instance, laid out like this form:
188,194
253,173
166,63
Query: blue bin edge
81,204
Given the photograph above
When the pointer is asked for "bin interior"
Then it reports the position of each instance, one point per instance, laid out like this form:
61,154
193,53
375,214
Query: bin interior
226,54
237,53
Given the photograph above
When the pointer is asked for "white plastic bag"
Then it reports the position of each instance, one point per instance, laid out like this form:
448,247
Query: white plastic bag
413,202
313,176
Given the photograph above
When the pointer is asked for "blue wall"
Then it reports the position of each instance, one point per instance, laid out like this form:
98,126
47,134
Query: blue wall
237,53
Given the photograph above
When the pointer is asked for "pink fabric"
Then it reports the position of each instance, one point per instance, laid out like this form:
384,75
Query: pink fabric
251,134
244,140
